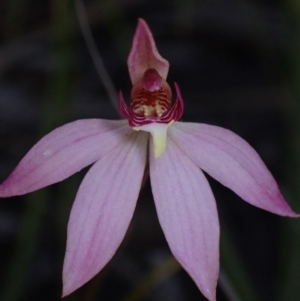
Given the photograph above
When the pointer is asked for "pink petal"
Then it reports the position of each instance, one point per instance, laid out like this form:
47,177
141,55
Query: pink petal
102,211
63,152
144,55
231,161
188,215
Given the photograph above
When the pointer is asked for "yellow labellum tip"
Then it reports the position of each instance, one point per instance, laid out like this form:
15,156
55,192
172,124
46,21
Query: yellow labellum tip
159,142
158,132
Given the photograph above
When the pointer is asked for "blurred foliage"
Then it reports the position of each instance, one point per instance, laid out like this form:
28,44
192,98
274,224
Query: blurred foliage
290,247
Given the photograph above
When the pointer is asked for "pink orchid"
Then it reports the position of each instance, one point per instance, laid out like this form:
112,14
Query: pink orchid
178,151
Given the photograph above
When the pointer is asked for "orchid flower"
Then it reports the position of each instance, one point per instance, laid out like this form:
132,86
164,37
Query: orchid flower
178,152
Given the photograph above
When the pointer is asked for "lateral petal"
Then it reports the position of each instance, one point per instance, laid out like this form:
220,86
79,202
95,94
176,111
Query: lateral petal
63,152
188,215
233,162
144,55
102,211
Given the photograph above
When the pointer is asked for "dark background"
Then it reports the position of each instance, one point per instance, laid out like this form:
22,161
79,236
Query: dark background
237,64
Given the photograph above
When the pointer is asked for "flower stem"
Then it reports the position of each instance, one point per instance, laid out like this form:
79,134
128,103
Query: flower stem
95,54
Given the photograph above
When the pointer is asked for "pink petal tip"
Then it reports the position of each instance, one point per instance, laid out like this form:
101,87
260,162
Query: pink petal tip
144,55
